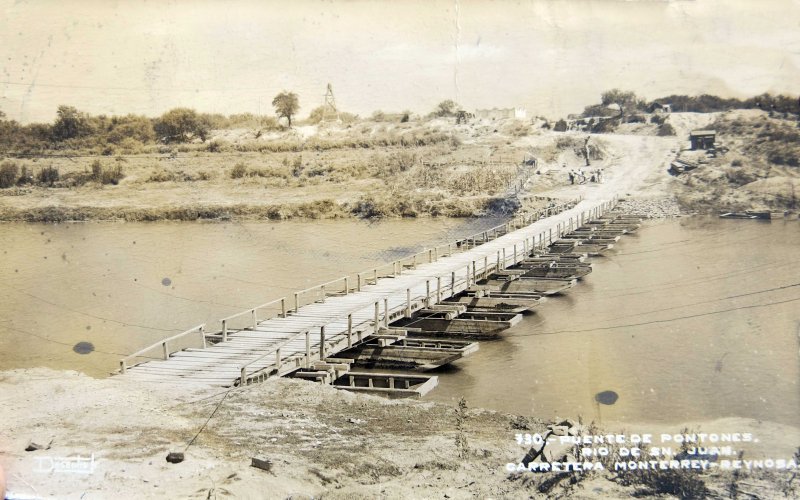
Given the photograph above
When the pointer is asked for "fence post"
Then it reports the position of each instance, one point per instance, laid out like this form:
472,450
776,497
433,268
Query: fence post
308,349
350,330
427,293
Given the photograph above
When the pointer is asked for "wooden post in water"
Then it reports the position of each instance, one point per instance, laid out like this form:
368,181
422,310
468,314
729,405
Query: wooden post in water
408,302
350,330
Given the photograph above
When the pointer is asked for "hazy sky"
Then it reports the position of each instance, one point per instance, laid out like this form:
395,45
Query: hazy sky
552,57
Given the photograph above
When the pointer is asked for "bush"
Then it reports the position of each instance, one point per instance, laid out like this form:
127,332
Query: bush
560,126
112,175
48,176
8,174
239,170
666,129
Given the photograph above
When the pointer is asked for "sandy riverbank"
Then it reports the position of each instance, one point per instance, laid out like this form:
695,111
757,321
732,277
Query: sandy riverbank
322,442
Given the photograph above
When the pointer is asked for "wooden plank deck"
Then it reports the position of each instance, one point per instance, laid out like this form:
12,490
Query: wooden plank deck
301,333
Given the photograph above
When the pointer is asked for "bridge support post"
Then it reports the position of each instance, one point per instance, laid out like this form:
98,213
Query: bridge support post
427,293
308,349
350,330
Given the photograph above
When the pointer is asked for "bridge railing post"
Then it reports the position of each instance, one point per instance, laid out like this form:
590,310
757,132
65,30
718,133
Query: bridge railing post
408,302
322,342
350,330
386,312
224,330
308,349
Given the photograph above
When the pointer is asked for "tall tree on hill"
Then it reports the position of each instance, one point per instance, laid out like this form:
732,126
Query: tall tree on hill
286,105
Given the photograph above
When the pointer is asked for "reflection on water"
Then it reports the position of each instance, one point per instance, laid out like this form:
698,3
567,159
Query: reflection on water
80,296
687,320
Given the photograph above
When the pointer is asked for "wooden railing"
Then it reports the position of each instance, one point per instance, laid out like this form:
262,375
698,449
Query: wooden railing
165,346
445,285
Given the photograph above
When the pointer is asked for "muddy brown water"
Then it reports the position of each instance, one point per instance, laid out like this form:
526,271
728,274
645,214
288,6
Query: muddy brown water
690,319
80,296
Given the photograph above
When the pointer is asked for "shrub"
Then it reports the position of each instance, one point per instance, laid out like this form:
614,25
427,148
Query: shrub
560,126
239,170
666,129
97,171
25,177
48,175
8,174
112,175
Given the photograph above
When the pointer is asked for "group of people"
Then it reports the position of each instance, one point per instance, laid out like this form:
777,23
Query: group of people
580,177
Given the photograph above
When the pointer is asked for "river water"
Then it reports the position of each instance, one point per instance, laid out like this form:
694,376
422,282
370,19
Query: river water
689,319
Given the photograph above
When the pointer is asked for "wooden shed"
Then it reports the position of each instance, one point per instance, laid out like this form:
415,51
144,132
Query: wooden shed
702,139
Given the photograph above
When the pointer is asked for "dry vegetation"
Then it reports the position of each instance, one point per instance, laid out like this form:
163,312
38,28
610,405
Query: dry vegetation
363,169
761,170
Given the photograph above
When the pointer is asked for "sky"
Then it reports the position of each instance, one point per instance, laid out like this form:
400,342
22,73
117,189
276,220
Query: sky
552,57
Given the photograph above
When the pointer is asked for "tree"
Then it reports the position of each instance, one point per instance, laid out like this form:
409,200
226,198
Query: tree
286,105
181,125
446,108
70,123
623,99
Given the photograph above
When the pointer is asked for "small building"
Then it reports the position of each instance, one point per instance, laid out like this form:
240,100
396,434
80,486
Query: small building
702,139
660,108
